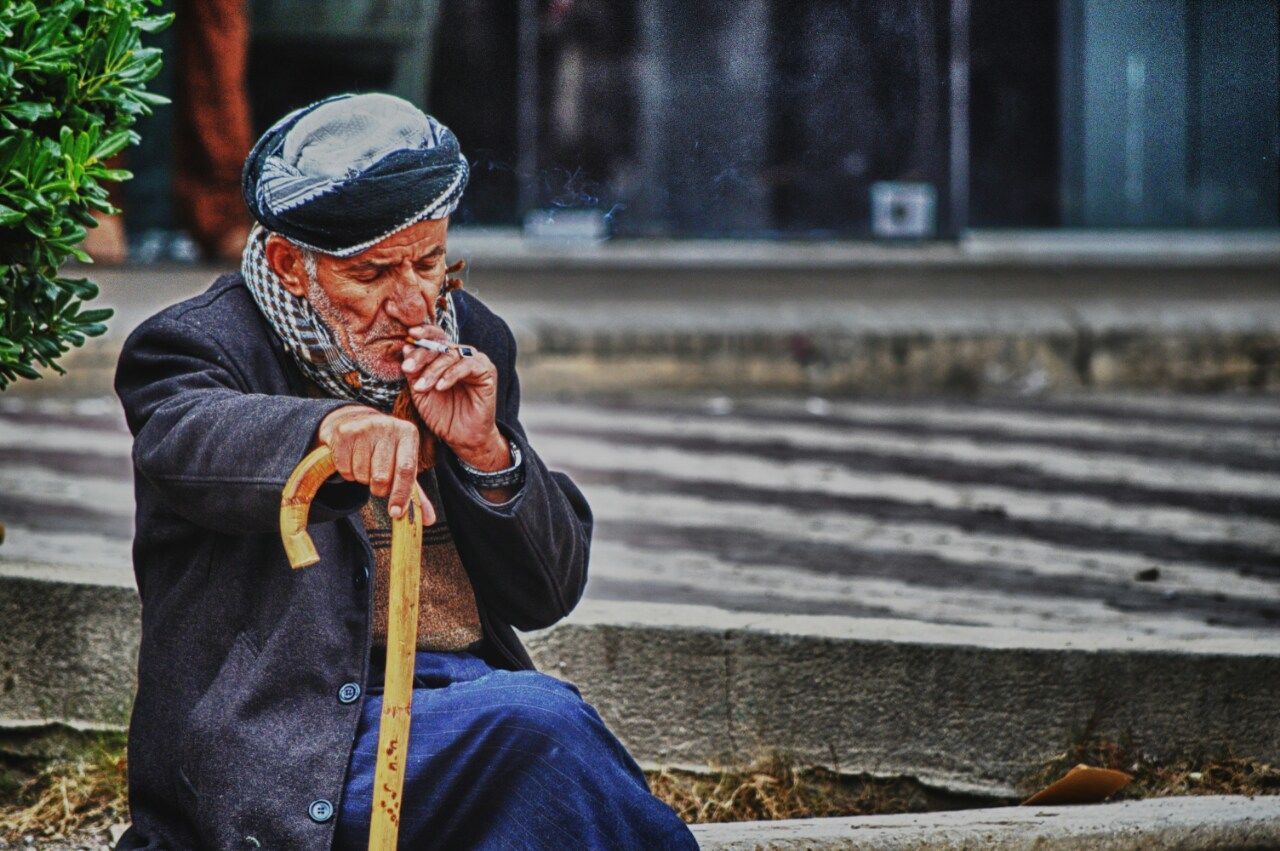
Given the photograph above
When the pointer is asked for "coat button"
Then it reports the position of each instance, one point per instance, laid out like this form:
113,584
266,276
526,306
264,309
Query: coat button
349,693
320,810
361,578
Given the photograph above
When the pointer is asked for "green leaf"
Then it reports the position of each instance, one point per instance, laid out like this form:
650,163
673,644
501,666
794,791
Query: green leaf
116,174
114,144
23,370
28,111
151,98
82,287
154,24
102,314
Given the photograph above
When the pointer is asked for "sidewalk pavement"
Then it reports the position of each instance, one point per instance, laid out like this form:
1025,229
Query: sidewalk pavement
1021,315
1184,824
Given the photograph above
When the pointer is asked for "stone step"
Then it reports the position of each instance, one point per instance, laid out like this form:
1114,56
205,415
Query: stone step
1188,824
967,709
899,322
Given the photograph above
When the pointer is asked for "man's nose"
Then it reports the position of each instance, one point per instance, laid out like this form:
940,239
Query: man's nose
410,299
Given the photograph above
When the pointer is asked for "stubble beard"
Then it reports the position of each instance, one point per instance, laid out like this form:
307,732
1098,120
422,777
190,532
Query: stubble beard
340,328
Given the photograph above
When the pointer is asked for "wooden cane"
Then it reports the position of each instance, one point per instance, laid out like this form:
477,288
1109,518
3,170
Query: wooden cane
402,630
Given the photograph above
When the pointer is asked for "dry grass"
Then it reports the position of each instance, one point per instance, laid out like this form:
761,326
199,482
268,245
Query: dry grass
85,790
82,789
1153,778
773,788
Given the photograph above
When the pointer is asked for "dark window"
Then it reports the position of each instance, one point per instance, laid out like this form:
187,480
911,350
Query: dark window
1014,172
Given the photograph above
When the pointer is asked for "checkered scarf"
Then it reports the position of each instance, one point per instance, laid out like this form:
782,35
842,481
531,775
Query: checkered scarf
310,341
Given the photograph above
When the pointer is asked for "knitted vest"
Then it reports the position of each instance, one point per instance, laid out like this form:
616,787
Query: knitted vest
447,614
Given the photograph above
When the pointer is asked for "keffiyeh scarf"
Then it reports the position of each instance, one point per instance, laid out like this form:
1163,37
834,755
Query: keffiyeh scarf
311,342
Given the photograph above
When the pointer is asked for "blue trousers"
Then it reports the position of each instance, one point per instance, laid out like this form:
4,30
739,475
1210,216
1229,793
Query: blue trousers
506,759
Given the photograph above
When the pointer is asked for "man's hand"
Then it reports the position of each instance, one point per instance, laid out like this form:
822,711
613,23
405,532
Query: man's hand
457,399
377,450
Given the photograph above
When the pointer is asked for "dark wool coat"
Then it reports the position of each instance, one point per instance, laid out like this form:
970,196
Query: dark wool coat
240,723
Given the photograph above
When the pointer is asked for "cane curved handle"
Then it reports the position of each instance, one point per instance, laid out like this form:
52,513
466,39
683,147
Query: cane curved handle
295,506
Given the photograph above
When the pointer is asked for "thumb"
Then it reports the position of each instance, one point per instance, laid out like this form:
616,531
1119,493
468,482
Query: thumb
428,510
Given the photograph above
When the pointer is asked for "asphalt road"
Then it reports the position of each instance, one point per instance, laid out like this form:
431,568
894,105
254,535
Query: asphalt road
1124,515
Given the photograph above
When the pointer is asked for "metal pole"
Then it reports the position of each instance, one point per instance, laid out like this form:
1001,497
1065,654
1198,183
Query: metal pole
959,109
527,106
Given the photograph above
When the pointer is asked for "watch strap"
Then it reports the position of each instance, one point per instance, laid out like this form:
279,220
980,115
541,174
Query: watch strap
512,476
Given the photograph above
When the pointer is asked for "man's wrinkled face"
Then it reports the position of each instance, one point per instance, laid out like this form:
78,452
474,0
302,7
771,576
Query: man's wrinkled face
370,300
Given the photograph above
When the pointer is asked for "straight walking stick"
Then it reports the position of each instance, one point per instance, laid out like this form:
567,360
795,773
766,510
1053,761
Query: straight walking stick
402,630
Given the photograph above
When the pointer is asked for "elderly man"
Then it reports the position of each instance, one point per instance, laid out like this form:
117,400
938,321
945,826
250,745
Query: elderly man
259,687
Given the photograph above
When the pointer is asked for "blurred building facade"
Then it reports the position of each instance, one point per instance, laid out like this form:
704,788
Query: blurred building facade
818,118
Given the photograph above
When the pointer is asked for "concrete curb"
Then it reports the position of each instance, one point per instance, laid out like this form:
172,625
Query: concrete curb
507,248
1001,315
967,709
1161,823
840,362
560,359
68,653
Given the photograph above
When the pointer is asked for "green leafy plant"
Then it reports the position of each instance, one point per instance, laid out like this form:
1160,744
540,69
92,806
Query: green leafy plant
73,79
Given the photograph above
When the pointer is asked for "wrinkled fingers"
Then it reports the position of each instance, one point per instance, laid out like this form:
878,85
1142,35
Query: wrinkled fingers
382,466
404,472
430,376
474,369
362,456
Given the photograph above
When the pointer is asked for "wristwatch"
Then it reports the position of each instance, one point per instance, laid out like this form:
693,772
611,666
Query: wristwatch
510,477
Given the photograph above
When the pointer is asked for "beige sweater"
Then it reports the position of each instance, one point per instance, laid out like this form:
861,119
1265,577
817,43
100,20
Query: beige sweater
447,614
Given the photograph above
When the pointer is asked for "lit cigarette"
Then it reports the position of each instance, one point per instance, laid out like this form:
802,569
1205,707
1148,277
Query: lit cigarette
443,348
